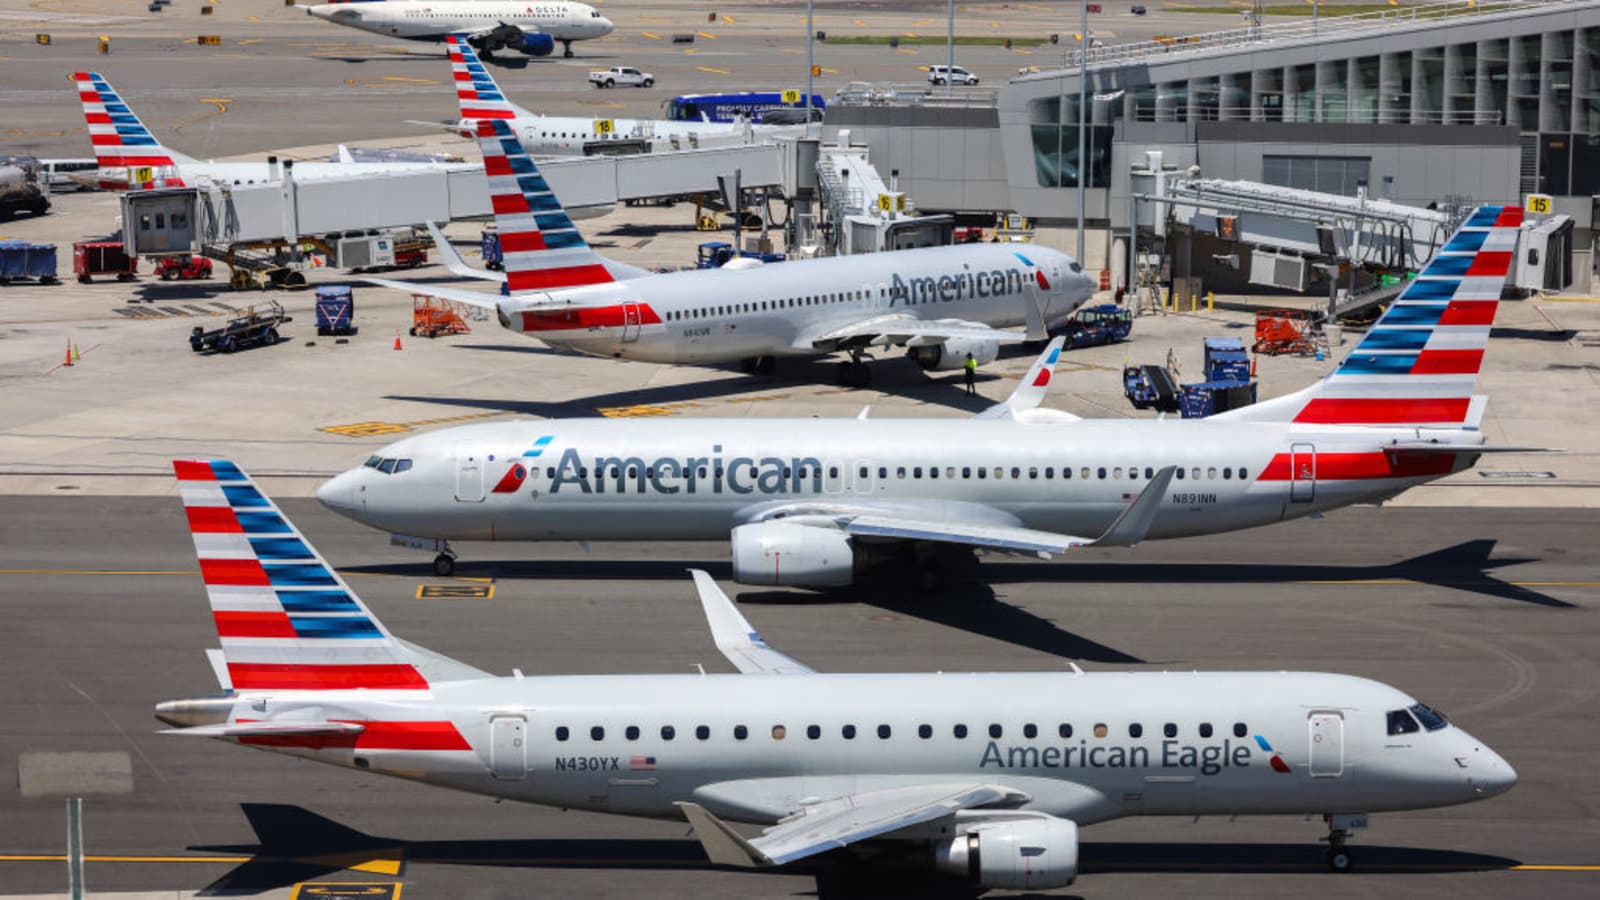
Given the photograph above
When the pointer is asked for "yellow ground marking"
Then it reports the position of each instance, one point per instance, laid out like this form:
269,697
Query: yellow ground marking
367,429
907,51
714,71
1570,299
707,35
692,50
858,23
251,41
410,80
389,889
637,412
921,23
785,50
828,71
729,19
455,592
228,56
758,398
1022,51
651,35
252,19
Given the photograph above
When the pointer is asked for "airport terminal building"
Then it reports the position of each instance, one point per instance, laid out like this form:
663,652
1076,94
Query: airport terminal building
1455,103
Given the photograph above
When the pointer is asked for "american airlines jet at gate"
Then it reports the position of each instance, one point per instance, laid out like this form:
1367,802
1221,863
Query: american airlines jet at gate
808,501
940,303
986,776
530,27
482,98
130,156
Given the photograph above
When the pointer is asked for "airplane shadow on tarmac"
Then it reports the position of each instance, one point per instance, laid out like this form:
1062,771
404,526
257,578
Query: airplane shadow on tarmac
294,844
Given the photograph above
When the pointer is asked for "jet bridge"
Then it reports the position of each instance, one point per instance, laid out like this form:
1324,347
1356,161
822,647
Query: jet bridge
179,221
867,214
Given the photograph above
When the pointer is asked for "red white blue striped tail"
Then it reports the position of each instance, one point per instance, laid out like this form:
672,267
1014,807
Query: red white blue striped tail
286,619
541,247
480,96
120,139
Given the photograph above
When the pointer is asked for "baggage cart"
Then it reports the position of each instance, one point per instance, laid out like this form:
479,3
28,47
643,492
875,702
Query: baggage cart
91,258
248,330
21,260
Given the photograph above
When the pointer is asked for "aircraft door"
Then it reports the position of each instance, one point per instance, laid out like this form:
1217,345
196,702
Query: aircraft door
469,475
1302,473
833,477
1327,744
862,473
630,321
508,748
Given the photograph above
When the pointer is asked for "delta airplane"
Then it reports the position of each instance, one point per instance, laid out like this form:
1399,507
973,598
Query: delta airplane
940,303
482,98
987,777
130,156
810,502
531,28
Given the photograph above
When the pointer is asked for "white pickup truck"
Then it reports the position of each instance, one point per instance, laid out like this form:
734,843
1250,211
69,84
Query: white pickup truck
624,75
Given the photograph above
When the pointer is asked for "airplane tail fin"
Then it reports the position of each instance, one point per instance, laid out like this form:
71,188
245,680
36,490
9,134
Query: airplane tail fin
120,139
480,95
1418,365
286,620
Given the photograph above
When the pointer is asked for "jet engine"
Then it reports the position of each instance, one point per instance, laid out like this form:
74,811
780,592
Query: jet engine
952,354
1036,853
788,554
533,44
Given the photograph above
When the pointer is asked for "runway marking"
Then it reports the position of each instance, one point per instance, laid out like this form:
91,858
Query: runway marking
371,429
707,35
1570,299
639,412
714,71
729,19
342,889
651,35
692,50
758,398
251,40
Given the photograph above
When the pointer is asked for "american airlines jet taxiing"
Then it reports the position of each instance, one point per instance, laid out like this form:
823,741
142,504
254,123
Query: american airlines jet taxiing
531,28
482,98
809,502
985,776
939,303
130,156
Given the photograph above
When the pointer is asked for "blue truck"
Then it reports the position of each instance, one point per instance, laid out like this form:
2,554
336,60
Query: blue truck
336,309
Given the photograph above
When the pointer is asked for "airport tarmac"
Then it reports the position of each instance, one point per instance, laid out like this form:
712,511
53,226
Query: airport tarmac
1486,614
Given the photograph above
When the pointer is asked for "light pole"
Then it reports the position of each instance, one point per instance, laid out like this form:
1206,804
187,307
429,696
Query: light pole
950,48
1083,131
811,67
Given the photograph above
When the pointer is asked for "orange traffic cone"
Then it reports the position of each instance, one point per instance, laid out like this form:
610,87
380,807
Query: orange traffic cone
69,353
1252,366
397,339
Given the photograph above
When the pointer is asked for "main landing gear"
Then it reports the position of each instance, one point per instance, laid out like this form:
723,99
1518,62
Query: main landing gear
759,365
855,372
566,49
444,565
1340,827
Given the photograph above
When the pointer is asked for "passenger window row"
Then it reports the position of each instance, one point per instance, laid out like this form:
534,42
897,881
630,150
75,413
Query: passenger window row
1016,473
734,309
959,731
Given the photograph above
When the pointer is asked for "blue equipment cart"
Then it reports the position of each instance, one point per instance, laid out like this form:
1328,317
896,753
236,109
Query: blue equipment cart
493,258
25,259
336,309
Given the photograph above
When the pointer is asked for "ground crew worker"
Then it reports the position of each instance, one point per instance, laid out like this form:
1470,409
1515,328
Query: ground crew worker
971,365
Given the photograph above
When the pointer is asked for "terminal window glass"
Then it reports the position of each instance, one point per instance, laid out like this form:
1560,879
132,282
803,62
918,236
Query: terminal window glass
1325,174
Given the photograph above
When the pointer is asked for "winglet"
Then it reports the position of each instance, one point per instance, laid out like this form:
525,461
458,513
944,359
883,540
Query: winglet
1031,390
722,844
345,156
454,262
1135,521
735,636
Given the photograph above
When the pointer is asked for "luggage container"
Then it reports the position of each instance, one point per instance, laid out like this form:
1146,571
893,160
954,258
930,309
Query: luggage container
1208,398
493,258
25,259
1226,360
336,307
91,258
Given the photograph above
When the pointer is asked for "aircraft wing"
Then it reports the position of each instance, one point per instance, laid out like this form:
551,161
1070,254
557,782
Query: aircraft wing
839,823
459,295
902,330
975,525
736,639
270,729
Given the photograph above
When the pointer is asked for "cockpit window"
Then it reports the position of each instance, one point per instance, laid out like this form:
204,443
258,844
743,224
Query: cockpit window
388,466
1430,719
1075,267
1400,722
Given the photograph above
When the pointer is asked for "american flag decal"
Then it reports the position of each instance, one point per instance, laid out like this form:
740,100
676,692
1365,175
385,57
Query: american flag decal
641,763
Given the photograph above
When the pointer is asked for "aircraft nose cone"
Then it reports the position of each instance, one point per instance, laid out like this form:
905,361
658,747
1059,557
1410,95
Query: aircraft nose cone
1491,774
339,493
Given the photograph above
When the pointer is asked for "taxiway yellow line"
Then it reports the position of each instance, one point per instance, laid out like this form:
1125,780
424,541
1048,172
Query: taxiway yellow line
62,857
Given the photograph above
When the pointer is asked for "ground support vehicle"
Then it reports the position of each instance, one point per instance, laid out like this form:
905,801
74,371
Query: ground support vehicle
1093,326
176,268
22,187
493,258
248,330
91,258
1150,387
431,317
716,254
623,75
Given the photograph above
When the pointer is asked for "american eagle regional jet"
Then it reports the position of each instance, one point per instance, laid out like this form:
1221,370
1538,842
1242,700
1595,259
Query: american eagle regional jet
987,777
482,98
810,502
530,28
129,156
939,303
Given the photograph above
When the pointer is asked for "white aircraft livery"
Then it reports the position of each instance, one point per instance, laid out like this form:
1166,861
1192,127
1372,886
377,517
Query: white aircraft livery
531,28
482,98
809,502
989,776
940,303
130,156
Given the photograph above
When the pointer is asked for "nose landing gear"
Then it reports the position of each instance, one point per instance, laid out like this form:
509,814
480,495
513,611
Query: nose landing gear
1340,827
444,565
